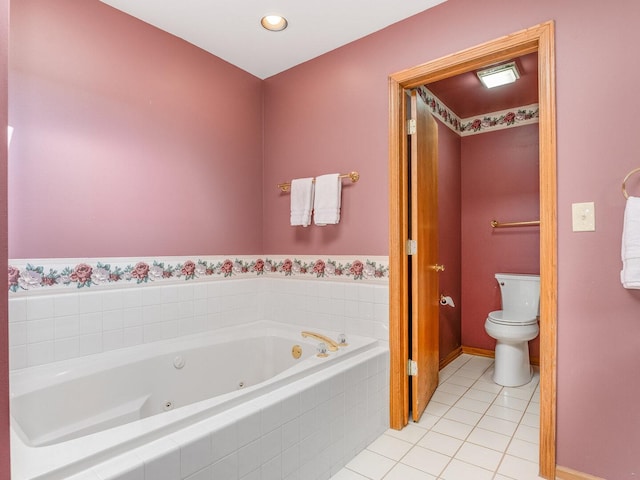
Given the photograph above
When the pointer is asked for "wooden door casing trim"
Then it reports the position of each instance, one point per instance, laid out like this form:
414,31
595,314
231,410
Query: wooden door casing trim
539,38
398,261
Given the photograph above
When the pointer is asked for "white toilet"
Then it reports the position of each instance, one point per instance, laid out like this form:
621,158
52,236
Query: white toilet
514,326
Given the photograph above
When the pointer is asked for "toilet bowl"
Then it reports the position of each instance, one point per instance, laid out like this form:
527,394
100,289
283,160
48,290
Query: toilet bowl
513,327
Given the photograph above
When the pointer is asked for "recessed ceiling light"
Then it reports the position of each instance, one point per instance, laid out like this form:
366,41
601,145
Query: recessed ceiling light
500,75
275,23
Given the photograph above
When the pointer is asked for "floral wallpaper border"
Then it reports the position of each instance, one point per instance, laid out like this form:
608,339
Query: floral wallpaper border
489,122
68,273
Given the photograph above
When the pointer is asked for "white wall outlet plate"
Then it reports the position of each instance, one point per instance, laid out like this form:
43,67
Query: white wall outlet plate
584,217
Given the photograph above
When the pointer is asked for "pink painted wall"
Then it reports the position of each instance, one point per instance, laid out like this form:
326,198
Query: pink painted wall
500,180
318,120
128,141
5,451
331,114
450,235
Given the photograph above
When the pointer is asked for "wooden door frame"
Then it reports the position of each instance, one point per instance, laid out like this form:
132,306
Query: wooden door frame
539,38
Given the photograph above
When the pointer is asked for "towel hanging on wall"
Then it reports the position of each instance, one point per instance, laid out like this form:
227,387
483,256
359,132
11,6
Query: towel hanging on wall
326,207
630,274
301,201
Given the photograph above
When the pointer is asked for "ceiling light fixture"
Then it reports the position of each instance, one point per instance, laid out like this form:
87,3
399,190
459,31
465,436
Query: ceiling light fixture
500,75
274,23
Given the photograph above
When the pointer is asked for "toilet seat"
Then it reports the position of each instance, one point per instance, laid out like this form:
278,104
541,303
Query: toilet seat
511,333
498,317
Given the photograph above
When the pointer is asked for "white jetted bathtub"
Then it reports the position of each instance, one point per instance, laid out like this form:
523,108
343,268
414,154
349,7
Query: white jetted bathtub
78,415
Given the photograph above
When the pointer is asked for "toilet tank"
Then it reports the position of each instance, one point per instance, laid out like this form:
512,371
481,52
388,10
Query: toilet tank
520,294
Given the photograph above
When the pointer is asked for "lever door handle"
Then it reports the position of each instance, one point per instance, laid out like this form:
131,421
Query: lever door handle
438,268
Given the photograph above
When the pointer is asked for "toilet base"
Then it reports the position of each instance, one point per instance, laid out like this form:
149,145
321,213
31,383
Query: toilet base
511,367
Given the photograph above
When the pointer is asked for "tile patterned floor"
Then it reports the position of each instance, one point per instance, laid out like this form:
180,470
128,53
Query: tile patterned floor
472,429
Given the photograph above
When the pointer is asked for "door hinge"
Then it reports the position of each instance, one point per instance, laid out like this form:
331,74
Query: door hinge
412,247
412,368
411,126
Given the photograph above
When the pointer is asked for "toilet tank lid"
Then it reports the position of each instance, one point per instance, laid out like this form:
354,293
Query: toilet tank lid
519,276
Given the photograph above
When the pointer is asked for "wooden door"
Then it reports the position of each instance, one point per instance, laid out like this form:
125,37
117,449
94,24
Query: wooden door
424,271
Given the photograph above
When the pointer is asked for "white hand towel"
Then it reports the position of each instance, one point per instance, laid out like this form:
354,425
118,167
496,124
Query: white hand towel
326,207
630,274
301,201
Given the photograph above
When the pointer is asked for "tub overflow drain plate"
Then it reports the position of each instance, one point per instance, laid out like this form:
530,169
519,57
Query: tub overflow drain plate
296,351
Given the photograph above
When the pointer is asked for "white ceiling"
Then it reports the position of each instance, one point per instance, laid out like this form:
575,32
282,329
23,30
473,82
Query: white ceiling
230,29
